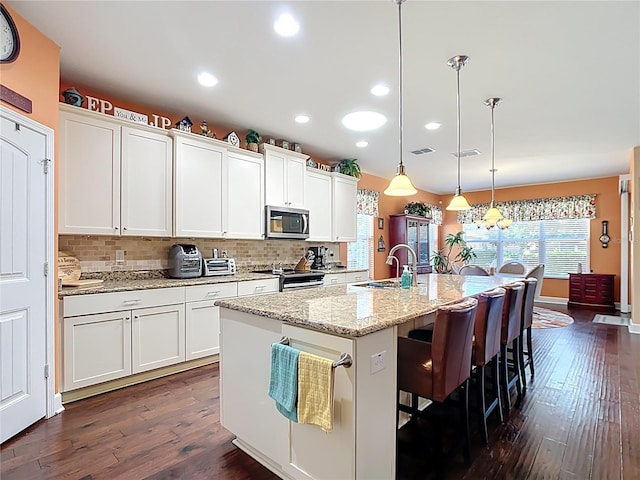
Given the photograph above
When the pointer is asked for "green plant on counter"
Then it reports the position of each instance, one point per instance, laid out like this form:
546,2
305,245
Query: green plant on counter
441,260
349,166
253,137
418,208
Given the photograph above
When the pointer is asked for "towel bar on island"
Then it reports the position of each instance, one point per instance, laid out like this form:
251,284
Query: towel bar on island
345,359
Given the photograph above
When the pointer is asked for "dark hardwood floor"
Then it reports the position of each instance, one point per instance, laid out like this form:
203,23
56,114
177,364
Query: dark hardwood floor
580,419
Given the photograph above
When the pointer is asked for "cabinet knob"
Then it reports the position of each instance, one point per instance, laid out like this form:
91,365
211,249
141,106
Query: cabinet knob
124,228
115,228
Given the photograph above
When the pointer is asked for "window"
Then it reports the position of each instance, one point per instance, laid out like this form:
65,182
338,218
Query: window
559,244
433,239
360,252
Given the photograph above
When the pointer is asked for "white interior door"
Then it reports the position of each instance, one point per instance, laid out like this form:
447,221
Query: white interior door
23,295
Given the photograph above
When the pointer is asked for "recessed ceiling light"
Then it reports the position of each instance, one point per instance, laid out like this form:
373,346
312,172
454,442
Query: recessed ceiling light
362,143
286,25
207,80
302,119
380,90
363,121
432,125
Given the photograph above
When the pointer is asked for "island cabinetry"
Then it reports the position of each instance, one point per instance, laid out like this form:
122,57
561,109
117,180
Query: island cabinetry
114,176
212,198
344,208
203,318
319,198
345,277
285,177
412,230
364,402
112,335
591,290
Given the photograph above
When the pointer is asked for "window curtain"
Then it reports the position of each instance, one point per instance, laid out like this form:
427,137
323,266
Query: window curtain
577,206
367,202
436,214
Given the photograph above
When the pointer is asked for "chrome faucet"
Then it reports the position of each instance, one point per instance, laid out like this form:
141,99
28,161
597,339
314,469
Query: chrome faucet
414,264
389,261
277,268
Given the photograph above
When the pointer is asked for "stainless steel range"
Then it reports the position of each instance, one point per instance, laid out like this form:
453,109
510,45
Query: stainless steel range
295,279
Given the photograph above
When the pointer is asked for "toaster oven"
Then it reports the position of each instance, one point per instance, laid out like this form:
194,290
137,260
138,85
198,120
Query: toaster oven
218,266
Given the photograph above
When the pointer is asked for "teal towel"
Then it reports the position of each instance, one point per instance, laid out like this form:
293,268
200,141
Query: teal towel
283,383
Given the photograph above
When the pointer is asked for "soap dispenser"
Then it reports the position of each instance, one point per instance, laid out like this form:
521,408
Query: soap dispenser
405,279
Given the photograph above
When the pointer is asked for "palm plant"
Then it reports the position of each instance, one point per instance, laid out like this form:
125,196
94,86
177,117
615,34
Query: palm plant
441,260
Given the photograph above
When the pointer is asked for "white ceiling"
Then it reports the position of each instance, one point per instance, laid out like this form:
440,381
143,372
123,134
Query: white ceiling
569,74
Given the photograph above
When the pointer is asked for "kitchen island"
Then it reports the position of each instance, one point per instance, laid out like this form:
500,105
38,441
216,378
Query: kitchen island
359,320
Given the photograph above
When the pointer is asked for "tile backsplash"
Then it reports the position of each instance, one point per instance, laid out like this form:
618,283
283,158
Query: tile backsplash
98,253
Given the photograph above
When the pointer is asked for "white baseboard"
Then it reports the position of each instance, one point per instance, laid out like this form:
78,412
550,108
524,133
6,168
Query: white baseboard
57,404
634,327
552,300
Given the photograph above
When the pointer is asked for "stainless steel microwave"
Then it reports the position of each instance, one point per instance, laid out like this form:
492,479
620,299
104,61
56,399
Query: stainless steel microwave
283,222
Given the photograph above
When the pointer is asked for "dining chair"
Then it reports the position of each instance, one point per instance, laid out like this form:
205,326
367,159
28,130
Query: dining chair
512,267
525,357
537,272
510,335
435,370
473,270
486,347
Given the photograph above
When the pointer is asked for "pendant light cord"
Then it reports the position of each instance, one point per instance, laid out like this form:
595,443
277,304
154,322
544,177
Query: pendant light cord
493,165
458,121
399,2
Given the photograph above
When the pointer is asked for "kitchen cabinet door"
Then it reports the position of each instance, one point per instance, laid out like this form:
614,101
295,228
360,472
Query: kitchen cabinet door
344,206
202,329
318,198
96,348
157,335
147,177
285,173
89,174
199,187
245,196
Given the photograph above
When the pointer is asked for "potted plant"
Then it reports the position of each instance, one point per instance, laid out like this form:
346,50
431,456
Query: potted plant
441,260
418,208
253,139
349,166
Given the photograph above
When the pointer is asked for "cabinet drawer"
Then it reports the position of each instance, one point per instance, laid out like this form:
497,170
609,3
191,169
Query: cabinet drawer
355,277
113,302
335,279
213,291
258,287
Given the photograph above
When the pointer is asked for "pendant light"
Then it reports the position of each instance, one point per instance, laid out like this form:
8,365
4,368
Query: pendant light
458,202
400,185
494,217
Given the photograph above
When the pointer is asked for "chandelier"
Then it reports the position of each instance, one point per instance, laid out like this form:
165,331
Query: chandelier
493,217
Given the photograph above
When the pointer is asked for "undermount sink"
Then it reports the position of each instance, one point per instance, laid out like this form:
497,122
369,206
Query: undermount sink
378,284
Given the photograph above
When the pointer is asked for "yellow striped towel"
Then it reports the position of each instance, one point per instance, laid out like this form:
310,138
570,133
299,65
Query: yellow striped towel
315,391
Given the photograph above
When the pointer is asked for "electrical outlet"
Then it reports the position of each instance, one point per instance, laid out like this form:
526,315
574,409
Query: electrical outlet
378,361
119,256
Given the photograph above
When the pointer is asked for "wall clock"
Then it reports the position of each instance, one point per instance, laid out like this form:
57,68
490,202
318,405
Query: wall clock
604,238
9,39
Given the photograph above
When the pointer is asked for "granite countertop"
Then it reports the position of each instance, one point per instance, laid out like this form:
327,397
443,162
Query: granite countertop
354,311
125,284
109,286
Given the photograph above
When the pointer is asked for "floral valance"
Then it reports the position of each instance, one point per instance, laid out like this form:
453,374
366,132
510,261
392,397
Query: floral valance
578,206
436,214
367,202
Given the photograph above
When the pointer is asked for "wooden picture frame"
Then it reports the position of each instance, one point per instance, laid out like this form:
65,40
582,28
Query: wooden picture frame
380,223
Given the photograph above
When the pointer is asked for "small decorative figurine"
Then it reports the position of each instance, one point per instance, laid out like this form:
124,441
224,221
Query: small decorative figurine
73,97
232,139
284,144
272,141
204,130
211,134
184,124
297,148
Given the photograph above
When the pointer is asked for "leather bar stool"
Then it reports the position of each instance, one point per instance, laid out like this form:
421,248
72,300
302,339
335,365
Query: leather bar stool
486,347
510,335
434,370
530,288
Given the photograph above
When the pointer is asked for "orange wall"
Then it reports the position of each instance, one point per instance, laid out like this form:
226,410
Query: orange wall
603,260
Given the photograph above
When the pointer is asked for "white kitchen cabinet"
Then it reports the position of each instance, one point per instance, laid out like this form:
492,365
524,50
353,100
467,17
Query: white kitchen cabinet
96,348
258,287
356,277
157,337
203,318
344,207
114,176
245,195
318,202
285,175
218,189
340,278
199,186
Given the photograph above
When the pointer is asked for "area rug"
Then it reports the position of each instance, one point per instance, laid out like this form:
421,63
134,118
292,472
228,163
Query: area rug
545,318
611,320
